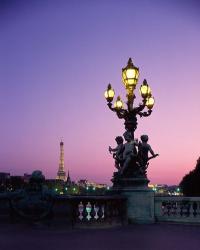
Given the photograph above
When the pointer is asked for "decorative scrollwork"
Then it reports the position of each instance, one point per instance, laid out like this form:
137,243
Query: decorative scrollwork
33,203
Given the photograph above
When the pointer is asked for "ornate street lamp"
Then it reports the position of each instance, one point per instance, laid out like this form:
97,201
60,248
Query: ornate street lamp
109,93
131,155
130,75
150,102
118,103
145,90
131,158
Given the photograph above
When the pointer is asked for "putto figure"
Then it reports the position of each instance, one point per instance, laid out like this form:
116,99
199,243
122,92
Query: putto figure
131,158
118,152
129,152
143,150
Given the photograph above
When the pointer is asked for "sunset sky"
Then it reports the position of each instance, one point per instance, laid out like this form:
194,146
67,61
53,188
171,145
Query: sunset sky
56,60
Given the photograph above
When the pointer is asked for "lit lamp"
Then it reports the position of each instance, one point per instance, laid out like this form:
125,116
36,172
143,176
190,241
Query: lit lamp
145,90
130,75
109,93
118,104
150,102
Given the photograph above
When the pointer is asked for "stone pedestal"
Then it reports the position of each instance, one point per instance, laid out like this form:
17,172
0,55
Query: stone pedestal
140,199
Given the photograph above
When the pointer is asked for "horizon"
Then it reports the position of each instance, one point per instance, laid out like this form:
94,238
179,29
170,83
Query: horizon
57,59
84,178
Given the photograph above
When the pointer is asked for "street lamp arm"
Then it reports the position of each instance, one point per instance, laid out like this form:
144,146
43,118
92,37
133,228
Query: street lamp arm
145,114
120,113
110,107
139,108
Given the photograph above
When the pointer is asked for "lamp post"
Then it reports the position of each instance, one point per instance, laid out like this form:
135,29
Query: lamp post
131,157
130,75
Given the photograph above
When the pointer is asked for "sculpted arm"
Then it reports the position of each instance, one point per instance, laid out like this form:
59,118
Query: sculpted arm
151,151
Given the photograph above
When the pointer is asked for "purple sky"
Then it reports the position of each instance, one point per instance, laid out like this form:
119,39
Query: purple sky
56,59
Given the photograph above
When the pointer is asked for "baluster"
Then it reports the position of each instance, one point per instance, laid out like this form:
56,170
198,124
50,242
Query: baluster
184,209
169,208
103,211
84,212
164,208
178,209
194,207
88,211
189,206
174,208
198,208
93,211
100,212
181,209
96,210
80,209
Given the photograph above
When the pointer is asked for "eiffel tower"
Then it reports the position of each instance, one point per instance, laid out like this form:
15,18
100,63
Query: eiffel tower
61,175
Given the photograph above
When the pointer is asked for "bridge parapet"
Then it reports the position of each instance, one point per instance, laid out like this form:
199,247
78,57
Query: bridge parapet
177,209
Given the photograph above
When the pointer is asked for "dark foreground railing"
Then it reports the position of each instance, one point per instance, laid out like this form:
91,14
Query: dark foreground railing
177,209
75,211
96,211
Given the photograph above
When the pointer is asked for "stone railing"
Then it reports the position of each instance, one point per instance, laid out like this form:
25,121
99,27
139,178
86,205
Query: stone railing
177,209
95,211
76,211
109,210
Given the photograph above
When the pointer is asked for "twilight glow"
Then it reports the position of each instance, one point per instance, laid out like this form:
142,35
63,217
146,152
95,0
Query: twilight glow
56,60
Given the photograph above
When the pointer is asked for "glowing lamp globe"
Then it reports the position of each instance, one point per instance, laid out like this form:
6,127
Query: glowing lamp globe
150,102
109,93
145,90
118,104
130,75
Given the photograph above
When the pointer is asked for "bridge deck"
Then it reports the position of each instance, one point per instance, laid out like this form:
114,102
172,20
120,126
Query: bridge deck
134,237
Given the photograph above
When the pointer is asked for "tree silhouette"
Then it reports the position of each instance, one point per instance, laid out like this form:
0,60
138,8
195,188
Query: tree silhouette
190,183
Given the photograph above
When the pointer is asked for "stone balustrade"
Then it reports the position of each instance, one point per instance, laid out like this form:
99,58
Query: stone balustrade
77,211
111,210
177,209
95,211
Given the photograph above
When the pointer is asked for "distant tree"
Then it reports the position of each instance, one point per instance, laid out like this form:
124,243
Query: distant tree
190,183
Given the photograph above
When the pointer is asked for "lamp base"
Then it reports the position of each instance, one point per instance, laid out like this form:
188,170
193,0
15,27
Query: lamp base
127,182
140,199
